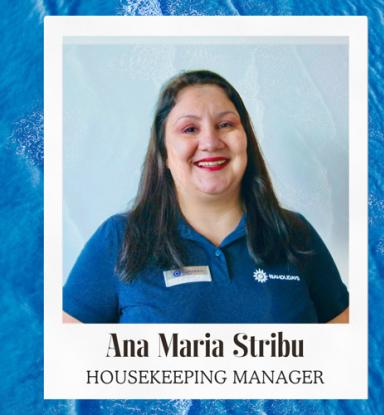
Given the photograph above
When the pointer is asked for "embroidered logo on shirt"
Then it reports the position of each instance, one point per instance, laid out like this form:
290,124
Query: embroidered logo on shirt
261,276
186,275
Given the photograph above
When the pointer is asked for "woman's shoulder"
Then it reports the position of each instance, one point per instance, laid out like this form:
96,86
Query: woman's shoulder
110,232
304,235
300,229
117,221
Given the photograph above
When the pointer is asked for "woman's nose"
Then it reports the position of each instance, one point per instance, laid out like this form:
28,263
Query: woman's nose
210,139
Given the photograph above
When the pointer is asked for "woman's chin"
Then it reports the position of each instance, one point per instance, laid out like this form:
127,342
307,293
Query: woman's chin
215,190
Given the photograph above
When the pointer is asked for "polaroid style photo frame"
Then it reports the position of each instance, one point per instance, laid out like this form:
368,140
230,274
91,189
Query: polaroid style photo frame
304,81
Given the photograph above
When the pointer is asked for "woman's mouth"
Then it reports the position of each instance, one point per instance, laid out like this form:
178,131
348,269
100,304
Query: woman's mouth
212,163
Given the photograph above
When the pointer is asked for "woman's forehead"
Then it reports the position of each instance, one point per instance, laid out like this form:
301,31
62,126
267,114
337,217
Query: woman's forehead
196,97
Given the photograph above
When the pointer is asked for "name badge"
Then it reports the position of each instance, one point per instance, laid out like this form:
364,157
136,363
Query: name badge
186,275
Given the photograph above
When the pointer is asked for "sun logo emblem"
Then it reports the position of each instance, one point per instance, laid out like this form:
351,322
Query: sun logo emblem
260,275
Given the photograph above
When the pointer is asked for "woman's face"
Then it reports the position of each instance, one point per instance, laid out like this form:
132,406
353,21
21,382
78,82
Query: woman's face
206,143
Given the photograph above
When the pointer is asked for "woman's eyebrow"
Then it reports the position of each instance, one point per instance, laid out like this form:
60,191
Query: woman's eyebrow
187,116
219,114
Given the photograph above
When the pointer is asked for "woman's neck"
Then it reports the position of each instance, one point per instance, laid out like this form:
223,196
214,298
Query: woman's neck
214,219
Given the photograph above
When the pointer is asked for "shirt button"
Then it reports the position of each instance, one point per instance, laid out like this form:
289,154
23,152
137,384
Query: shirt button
217,252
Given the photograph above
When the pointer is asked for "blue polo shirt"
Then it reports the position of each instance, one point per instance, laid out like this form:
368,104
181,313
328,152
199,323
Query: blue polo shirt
219,284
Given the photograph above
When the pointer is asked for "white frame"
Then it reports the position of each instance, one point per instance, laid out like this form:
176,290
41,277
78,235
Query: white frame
339,350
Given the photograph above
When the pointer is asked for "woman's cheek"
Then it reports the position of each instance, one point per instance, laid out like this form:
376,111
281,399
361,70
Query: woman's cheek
187,149
182,151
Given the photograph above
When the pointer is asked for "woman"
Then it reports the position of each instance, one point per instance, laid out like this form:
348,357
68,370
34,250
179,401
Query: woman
206,240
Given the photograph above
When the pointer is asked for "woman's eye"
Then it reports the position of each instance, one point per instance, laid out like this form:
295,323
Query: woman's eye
225,124
190,130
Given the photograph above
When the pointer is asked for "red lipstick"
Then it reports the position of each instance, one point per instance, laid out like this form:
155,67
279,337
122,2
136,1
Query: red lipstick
212,163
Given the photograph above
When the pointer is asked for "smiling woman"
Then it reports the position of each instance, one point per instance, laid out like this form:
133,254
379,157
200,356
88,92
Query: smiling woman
206,149
207,240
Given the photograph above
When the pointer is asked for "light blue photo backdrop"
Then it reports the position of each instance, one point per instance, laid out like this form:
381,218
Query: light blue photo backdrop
296,91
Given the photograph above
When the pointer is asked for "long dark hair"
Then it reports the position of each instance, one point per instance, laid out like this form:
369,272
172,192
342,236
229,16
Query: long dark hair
151,236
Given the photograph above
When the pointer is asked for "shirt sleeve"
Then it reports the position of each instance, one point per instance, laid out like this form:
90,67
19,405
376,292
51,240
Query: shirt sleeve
327,290
90,293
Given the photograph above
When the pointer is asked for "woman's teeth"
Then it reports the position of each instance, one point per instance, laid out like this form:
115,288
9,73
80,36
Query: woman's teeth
210,163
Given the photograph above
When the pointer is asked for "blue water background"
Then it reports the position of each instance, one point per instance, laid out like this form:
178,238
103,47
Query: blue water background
21,206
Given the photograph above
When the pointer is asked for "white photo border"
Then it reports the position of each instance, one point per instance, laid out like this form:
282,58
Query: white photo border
340,351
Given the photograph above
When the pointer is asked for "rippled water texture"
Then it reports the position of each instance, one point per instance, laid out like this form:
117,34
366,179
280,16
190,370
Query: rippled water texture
21,215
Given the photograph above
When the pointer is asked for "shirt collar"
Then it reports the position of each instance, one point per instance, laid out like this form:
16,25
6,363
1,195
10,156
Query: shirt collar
187,232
